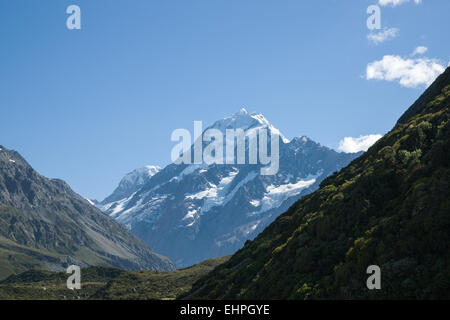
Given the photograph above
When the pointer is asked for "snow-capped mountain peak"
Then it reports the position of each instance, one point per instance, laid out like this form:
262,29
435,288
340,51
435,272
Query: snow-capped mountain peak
138,175
246,121
192,212
132,182
242,111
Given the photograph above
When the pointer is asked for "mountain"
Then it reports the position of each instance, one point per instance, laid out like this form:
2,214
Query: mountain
390,208
193,212
44,224
132,182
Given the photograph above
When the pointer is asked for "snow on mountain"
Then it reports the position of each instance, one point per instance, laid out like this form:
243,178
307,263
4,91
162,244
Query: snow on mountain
90,202
130,184
192,212
139,176
246,121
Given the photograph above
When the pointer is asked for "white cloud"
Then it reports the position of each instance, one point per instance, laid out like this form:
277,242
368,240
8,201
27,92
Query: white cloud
419,51
394,3
410,73
383,35
352,145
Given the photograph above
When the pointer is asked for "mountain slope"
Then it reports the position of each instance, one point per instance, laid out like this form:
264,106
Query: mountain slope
43,223
194,212
390,207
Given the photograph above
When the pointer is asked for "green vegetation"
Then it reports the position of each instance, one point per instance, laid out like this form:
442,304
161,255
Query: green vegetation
18,258
390,207
105,283
47,285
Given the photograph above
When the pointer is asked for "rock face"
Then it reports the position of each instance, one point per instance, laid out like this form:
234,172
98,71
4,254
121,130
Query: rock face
194,212
44,223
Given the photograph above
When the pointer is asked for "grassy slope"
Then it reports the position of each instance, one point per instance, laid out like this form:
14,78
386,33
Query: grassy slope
390,207
17,258
106,283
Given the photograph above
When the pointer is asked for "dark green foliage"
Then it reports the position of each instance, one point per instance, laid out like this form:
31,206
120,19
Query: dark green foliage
47,285
390,207
101,283
155,285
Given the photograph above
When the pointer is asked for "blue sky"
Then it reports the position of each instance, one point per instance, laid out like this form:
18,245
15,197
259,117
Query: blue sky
90,105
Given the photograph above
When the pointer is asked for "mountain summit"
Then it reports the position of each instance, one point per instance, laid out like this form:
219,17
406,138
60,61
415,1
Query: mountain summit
132,182
192,212
246,121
